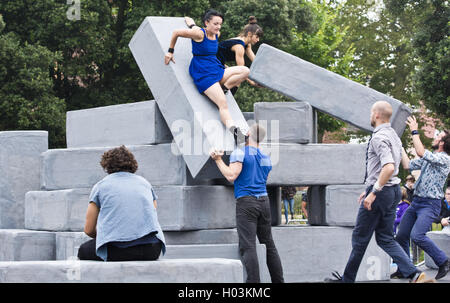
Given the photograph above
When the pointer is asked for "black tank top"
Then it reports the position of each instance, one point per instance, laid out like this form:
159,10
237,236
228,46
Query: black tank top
224,53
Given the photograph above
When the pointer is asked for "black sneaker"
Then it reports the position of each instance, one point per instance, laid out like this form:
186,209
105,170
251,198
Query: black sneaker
239,136
337,278
443,270
397,275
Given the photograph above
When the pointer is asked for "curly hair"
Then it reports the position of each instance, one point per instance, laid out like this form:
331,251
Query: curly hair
119,159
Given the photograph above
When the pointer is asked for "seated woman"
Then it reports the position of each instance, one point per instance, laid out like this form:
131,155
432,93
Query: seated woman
210,76
121,216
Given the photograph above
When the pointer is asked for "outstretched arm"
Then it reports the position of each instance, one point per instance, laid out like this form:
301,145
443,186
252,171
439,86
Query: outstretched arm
195,34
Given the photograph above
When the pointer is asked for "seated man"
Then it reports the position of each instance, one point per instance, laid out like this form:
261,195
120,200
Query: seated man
121,216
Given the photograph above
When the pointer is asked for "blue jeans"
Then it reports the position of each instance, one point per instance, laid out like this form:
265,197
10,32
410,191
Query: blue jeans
290,203
381,221
416,222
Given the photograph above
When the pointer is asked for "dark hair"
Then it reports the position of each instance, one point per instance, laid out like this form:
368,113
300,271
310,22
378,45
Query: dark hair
410,177
446,141
252,27
119,159
211,13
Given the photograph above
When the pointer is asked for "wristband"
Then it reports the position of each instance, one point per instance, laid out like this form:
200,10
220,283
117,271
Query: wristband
191,26
414,132
171,50
376,188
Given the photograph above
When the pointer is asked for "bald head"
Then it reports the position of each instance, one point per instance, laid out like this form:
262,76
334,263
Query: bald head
383,109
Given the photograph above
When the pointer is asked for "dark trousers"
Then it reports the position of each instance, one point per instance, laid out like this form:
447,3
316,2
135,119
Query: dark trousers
145,252
253,220
381,221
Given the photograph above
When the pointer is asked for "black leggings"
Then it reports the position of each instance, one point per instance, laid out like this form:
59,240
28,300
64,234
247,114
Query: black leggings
144,252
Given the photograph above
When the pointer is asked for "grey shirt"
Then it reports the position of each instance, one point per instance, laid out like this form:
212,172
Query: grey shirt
384,147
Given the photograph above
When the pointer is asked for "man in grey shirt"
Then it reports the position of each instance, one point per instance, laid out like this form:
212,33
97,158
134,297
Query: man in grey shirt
380,199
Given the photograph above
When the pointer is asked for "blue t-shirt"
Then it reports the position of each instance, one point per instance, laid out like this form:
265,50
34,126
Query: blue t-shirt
255,170
126,213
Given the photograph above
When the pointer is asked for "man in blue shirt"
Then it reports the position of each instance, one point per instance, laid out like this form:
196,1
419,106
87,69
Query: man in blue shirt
249,169
428,192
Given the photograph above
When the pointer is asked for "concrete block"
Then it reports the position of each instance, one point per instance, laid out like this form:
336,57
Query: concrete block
249,117
334,204
327,91
286,122
442,240
274,193
179,208
139,123
213,270
19,172
26,245
316,164
205,236
311,253
195,124
80,167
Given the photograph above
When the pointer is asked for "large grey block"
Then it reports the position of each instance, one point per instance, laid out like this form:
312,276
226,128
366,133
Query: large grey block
286,122
80,167
129,124
193,119
311,253
323,89
334,204
442,240
179,208
212,270
26,245
316,164
19,172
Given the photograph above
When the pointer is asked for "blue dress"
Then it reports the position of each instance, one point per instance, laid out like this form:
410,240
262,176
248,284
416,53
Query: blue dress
225,53
205,68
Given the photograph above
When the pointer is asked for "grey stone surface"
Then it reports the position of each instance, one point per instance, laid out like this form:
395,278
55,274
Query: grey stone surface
212,270
315,164
335,205
205,236
323,89
311,253
179,208
128,124
19,172
80,167
442,240
286,122
26,245
195,124
249,117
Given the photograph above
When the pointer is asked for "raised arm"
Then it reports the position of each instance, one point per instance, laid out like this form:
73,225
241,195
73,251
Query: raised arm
405,159
413,126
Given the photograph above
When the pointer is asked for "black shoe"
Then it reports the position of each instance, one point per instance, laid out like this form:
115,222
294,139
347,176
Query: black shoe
239,136
443,270
397,275
337,278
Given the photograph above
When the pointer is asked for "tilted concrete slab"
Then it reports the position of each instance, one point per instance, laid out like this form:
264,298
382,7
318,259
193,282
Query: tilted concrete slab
179,208
80,167
316,164
19,172
442,240
211,270
286,122
327,91
193,119
335,205
26,245
311,253
139,123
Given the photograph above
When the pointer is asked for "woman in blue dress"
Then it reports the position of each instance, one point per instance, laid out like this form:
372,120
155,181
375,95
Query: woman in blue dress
210,76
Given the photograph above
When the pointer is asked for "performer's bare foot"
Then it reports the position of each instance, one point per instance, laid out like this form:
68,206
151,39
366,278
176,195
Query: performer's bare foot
189,22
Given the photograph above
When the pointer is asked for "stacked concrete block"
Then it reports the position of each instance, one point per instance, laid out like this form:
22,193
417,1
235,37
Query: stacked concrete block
212,270
26,245
442,240
323,89
139,123
179,208
193,118
286,122
80,167
335,205
19,172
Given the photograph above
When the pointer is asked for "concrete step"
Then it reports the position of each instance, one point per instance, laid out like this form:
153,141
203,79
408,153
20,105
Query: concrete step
26,245
19,166
193,118
179,208
442,240
327,91
138,123
210,270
